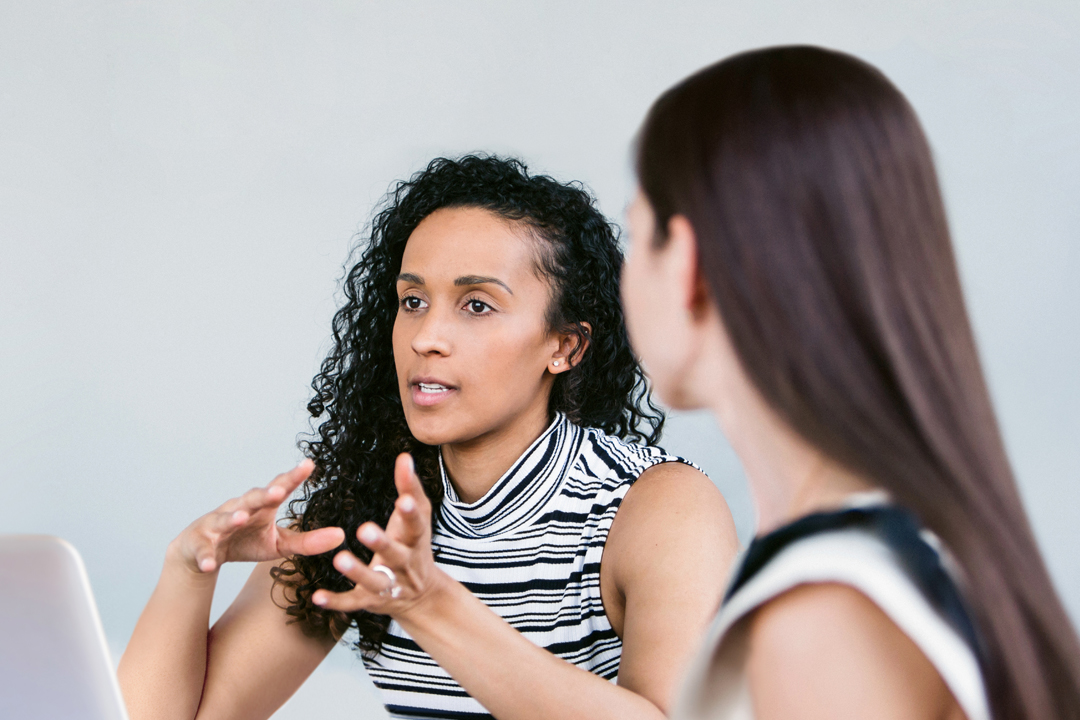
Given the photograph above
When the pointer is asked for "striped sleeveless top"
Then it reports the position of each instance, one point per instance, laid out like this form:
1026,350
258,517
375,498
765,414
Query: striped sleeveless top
531,550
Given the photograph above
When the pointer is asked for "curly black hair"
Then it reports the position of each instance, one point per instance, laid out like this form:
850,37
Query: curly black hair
356,395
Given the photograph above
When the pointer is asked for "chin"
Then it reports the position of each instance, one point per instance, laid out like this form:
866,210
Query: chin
676,396
432,430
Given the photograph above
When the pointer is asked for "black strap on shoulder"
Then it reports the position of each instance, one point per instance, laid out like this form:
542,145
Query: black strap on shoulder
900,531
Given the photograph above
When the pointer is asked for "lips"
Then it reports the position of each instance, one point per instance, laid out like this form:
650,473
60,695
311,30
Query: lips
429,388
428,391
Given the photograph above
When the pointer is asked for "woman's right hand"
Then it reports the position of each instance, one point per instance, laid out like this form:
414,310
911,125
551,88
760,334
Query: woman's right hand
245,529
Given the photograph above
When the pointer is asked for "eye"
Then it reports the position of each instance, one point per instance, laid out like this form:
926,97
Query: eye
411,303
477,307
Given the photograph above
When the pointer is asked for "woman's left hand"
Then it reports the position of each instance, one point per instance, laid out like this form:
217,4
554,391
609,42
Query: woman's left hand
408,572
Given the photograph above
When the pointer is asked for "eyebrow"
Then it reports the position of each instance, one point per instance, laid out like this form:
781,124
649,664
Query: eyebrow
463,280
482,280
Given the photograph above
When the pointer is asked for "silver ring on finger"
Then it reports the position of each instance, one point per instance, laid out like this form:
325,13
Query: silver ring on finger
393,589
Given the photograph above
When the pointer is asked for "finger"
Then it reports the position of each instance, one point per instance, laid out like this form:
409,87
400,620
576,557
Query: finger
364,577
223,521
255,499
391,551
204,537
407,481
274,493
205,554
412,511
284,484
350,601
366,593
312,542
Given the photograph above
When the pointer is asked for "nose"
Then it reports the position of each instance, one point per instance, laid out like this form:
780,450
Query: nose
432,334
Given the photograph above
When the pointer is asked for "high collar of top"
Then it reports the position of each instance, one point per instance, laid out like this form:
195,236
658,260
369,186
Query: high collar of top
516,498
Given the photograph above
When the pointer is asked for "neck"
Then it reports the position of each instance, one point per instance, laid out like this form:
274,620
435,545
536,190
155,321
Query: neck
788,476
475,465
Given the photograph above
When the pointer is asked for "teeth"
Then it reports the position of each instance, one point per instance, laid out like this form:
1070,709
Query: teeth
426,388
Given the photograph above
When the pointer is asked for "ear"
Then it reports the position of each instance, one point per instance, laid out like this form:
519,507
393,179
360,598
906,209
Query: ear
681,257
572,347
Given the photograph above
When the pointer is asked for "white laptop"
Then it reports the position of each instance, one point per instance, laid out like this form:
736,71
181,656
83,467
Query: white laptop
54,663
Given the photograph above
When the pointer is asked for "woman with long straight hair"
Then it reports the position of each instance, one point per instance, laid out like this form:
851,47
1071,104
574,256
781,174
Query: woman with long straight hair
791,269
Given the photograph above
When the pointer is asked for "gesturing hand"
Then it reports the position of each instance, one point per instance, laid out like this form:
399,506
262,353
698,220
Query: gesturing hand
245,529
403,551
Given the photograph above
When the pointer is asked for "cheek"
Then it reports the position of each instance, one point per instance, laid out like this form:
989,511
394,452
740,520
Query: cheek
401,344
630,291
658,328
643,309
510,352
505,366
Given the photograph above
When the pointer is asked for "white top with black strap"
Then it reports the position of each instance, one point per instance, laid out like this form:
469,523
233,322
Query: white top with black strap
531,550
871,546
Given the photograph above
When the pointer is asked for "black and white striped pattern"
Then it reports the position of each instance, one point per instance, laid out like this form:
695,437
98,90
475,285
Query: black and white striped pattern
530,549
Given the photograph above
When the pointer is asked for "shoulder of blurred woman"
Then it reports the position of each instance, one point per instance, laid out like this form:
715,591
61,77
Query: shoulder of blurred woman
825,650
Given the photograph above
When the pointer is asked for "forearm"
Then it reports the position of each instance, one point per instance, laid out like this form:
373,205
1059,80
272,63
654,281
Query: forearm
163,668
509,675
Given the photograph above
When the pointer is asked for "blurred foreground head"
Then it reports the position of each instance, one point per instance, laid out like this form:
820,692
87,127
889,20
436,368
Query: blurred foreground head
823,243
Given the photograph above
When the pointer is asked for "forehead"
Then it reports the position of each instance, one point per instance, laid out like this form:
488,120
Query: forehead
452,242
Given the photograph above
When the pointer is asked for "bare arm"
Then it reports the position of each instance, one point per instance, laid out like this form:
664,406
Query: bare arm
256,659
162,669
172,656
513,678
667,561
827,651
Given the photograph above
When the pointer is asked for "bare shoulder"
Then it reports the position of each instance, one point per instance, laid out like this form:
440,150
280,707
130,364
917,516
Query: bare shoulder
827,650
673,508
673,490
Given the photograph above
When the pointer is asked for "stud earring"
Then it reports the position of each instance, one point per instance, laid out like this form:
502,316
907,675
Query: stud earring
557,363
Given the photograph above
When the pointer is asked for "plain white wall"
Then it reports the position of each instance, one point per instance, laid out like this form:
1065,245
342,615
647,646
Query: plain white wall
180,183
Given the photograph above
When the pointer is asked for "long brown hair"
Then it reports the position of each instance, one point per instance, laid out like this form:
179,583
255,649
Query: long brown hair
823,240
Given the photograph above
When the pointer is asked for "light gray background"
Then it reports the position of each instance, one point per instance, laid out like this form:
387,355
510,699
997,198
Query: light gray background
180,183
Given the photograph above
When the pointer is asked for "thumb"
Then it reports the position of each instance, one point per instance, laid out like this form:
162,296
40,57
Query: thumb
312,542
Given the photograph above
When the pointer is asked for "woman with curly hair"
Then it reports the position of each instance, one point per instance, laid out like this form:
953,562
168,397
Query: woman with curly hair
482,505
